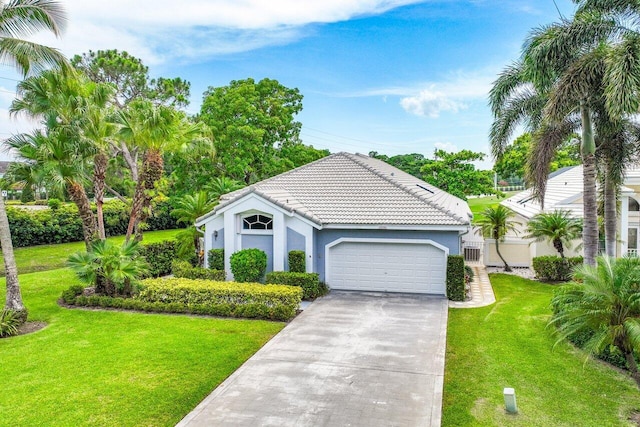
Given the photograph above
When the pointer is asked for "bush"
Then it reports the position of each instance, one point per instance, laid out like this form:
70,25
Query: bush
69,296
455,278
248,265
9,323
54,204
215,258
555,269
309,282
159,256
185,270
251,300
297,262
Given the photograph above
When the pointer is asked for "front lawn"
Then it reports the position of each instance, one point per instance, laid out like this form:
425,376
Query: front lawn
49,257
109,368
508,345
479,204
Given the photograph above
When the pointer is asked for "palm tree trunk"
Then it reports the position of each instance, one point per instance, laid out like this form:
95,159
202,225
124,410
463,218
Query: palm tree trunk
588,149
152,168
89,226
610,212
632,365
506,266
14,297
557,244
99,177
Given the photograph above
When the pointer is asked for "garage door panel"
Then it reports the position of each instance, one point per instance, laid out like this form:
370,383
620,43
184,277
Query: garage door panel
387,267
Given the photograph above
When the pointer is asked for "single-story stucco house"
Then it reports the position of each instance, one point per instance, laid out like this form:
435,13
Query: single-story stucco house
564,192
363,224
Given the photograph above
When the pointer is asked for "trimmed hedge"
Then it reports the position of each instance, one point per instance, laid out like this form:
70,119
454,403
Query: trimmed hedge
553,268
248,265
159,256
455,278
309,282
215,259
184,269
297,262
63,225
251,300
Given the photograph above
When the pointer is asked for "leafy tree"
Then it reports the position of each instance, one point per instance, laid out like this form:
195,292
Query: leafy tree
456,174
251,121
112,269
189,208
409,163
19,19
557,227
223,185
495,223
604,305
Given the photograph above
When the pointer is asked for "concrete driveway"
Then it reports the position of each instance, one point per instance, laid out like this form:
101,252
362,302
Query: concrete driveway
350,359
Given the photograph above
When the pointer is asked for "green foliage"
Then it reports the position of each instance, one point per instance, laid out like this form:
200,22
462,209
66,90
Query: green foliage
111,268
69,295
455,278
189,208
159,256
297,262
550,268
495,222
63,225
456,174
250,121
216,259
185,270
468,273
248,265
409,163
557,227
309,282
54,204
253,300
9,323
27,194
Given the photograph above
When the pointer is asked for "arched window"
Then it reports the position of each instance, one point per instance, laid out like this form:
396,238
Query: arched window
634,206
257,222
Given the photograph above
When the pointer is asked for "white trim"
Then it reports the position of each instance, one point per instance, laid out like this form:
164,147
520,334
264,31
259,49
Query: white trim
624,224
336,242
396,227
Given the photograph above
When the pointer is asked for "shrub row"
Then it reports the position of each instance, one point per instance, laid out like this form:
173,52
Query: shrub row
309,282
229,299
233,299
62,225
553,268
215,258
184,269
455,278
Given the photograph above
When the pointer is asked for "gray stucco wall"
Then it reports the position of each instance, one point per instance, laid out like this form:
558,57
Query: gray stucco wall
295,242
217,242
450,239
260,241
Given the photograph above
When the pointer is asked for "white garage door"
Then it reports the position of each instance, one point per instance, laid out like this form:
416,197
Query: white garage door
387,267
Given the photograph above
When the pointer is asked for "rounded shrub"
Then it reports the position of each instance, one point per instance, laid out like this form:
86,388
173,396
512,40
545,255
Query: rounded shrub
248,265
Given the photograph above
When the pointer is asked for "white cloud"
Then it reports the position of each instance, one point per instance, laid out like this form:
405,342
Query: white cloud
430,104
165,30
447,146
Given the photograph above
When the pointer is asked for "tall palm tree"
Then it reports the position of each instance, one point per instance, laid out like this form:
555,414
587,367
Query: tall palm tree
20,19
557,227
605,305
495,223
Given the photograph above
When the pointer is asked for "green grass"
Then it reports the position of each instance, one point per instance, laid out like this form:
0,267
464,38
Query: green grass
108,368
50,257
479,204
508,345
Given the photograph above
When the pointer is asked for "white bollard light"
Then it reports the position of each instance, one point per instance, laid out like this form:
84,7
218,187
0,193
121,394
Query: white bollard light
510,400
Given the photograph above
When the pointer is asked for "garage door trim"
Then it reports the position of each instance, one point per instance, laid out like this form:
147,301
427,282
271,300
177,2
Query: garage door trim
336,242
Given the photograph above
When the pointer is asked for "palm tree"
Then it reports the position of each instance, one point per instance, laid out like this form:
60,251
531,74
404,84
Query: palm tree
605,305
20,19
557,227
110,268
223,185
495,223
189,208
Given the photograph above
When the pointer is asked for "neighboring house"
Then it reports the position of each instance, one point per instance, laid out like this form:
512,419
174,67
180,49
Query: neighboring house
363,224
564,192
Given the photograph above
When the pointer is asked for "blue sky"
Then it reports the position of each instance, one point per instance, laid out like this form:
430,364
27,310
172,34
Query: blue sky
394,76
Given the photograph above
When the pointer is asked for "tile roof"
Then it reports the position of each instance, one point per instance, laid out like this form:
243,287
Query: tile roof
564,188
346,188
